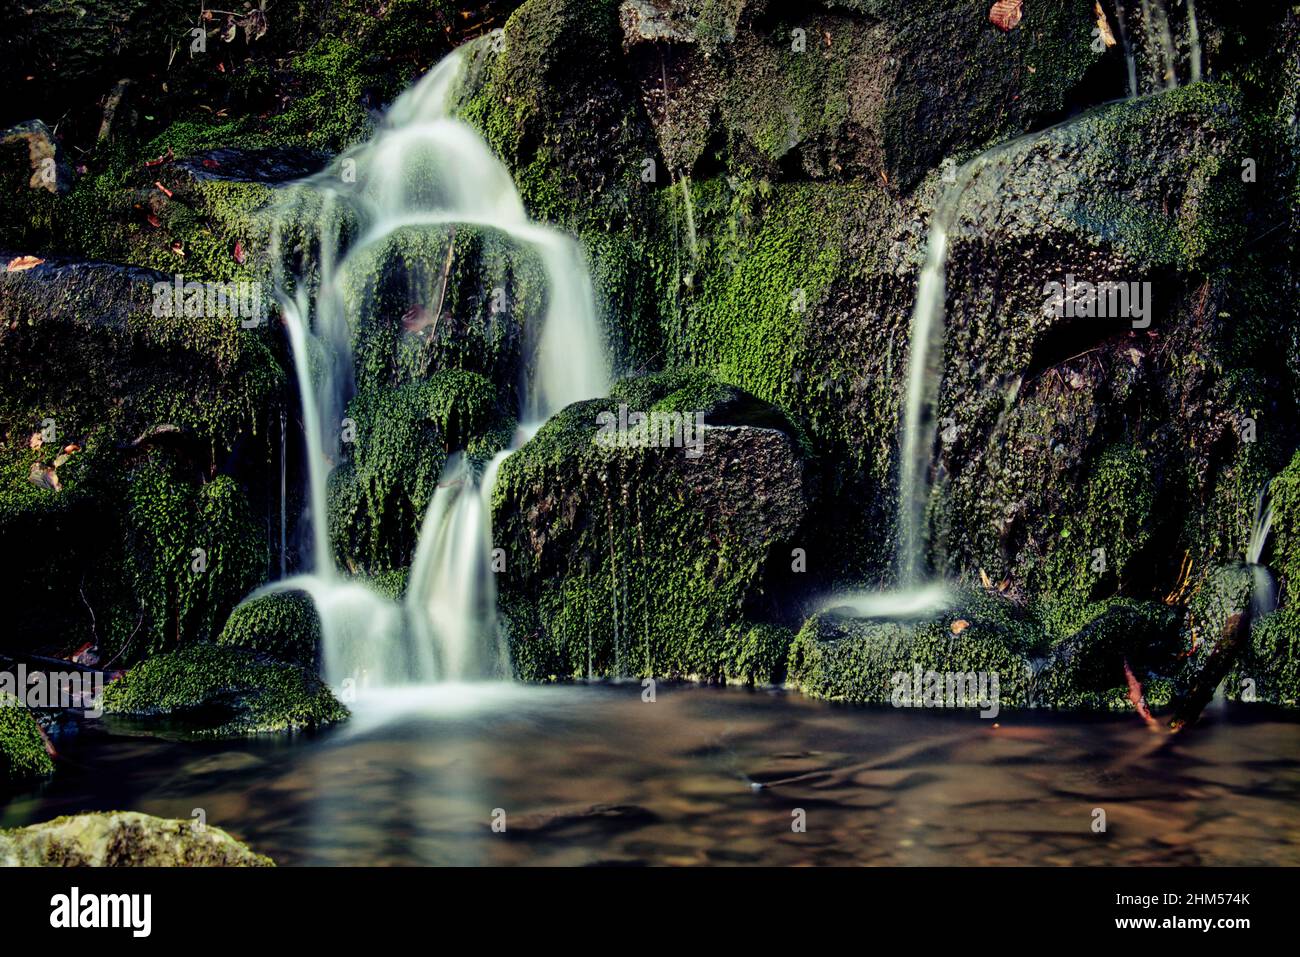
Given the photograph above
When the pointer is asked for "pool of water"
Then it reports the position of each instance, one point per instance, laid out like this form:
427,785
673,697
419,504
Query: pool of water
595,775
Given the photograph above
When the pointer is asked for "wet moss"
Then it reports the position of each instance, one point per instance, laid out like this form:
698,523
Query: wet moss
283,625
224,692
22,750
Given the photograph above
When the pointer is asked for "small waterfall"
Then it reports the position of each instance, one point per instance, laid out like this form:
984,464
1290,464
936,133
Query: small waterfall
1264,597
423,169
1130,59
1194,40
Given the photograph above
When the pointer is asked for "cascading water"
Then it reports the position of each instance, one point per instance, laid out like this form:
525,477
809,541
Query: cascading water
423,170
1264,597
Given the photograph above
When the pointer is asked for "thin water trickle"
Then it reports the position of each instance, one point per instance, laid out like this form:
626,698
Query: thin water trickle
422,170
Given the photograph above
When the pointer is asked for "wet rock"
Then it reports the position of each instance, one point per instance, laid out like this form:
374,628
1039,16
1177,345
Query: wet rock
212,691
646,559
854,659
272,166
1215,633
50,170
123,839
1087,668
23,754
284,625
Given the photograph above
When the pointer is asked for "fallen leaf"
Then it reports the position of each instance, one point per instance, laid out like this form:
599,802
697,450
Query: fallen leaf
1103,25
960,625
985,580
35,442
165,190
1004,585
24,262
71,447
1136,696
1006,14
239,254
165,158
178,248
210,164
154,221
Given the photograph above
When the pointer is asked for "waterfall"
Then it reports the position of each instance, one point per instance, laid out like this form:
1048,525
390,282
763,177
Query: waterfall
1130,60
1264,597
422,170
1194,40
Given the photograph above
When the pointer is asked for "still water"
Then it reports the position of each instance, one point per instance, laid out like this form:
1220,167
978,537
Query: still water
594,775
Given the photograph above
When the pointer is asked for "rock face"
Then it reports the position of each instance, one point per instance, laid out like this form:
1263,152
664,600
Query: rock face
123,839
645,560
224,692
49,168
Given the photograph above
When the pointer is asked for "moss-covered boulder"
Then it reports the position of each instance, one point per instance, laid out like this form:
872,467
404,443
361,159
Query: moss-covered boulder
861,660
216,691
123,839
1088,669
647,560
22,748
1215,634
1268,669
284,625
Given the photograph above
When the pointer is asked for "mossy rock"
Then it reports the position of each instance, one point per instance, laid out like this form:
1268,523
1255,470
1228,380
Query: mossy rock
1270,663
284,625
22,749
1084,669
648,560
849,659
123,839
215,691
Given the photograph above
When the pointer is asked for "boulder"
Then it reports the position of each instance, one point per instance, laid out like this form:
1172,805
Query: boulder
216,691
23,755
284,625
49,168
123,839
647,560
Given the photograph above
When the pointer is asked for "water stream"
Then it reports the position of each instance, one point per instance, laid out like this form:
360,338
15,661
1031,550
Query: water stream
422,170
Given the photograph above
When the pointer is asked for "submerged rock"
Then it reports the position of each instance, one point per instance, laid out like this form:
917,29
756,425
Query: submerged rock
123,839
216,691
645,560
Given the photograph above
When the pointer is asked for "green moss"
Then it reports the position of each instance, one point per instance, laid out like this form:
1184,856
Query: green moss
284,625
379,496
1112,514
224,692
852,660
634,561
1084,669
123,839
191,554
759,653
1285,560
22,750
1271,662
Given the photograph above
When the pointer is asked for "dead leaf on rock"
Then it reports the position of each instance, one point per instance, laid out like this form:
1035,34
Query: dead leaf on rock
35,442
960,625
1006,14
239,254
19,263
985,580
178,248
1103,26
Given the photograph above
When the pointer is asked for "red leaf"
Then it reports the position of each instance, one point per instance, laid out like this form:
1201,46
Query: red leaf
165,190
1006,14
239,252
154,221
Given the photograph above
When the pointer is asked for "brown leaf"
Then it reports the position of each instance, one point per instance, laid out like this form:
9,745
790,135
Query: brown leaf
239,253
165,158
20,263
985,580
958,626
1103,25
35,442
1006,14
154,221
167,192
178,248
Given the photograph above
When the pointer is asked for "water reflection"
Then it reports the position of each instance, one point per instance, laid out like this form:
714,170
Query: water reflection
591,775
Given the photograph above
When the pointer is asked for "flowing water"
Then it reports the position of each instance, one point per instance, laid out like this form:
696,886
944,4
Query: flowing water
422,170
1264,599
588,775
